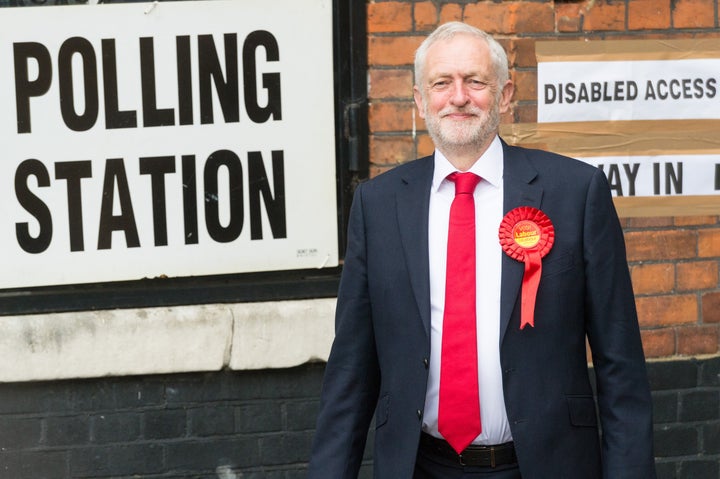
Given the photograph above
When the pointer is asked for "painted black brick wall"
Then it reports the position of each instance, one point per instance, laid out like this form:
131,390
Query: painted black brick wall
686,397
252,425
214,425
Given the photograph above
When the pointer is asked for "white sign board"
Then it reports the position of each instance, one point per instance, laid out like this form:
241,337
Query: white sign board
628,80
661,175
167,139
671,166
629,90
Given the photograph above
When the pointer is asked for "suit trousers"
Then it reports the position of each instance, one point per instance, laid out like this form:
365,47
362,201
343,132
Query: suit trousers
429,468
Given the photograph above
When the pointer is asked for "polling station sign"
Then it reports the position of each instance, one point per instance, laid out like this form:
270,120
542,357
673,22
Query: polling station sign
166,139
617,80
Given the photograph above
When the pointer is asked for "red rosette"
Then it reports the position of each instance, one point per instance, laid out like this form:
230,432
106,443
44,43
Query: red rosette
527,235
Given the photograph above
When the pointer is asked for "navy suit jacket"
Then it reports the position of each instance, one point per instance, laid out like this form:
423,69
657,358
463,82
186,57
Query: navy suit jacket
378,362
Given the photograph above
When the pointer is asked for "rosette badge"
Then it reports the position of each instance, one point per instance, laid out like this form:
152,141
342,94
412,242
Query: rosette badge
527,235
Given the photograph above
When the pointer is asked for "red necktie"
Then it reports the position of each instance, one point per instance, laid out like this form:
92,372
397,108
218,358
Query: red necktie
459,409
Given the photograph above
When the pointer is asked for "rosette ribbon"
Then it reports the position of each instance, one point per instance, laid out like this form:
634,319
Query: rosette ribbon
527,235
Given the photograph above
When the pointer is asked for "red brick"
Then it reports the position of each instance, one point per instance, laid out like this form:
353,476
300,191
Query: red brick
395,83
391,150
711,307
667,310
568,17
506,43
650,222
512,17
391,116
525,85
389,17
697,275
653,278
426,16
604,16
451,12
709,243
392,51
522,53
491,17
648,14
533,17
525,113
693,14
693,340
660,245
425,146
658,343
696,220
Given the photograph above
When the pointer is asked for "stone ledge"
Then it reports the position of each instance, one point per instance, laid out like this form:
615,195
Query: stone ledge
282,334
127,342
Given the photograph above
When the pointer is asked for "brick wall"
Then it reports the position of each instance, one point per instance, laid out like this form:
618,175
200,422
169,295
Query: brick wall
254,425
259,425
674,261
674,267
686,400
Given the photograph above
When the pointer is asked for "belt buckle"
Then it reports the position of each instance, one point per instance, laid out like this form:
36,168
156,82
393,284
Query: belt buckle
493,464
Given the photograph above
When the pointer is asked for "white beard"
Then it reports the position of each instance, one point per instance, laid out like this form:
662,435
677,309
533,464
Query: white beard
451,136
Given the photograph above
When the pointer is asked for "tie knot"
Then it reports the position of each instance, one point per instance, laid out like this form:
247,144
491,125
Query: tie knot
464,182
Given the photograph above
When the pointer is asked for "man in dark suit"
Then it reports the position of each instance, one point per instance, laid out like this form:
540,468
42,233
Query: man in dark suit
537,415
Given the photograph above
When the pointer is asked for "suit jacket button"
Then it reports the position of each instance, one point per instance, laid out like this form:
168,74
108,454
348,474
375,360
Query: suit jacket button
426,362
419,414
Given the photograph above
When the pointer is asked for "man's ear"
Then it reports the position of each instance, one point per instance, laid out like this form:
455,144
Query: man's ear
506,97
419,101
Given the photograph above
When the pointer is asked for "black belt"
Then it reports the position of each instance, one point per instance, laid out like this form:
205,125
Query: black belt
487,456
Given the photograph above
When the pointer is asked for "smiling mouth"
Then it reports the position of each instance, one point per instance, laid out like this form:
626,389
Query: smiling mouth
460,113
459,116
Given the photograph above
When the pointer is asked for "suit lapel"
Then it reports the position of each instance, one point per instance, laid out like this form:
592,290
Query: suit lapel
413,200
518,173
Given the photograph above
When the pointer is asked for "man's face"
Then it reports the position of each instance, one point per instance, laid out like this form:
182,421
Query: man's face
459,96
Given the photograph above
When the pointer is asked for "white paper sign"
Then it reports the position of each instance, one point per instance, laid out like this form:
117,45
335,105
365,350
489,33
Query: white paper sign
168,139
629,90
661,175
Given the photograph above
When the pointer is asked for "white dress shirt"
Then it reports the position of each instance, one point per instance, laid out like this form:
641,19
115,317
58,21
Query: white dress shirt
488,215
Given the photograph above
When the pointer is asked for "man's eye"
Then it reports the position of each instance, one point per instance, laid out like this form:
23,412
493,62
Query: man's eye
440,85
477,84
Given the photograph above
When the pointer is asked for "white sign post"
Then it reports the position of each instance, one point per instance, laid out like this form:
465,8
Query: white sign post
166,139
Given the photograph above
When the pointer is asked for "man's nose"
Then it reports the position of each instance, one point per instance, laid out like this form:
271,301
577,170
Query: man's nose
459,95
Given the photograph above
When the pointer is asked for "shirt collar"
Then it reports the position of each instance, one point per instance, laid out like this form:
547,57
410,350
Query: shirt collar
489,166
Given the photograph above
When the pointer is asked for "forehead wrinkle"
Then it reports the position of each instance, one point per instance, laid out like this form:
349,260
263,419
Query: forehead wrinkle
461,51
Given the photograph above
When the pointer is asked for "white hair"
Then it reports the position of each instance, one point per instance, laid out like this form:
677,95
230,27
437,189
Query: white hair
448,31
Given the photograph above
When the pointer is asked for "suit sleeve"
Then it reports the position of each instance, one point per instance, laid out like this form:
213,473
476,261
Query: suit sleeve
351,380
624,401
